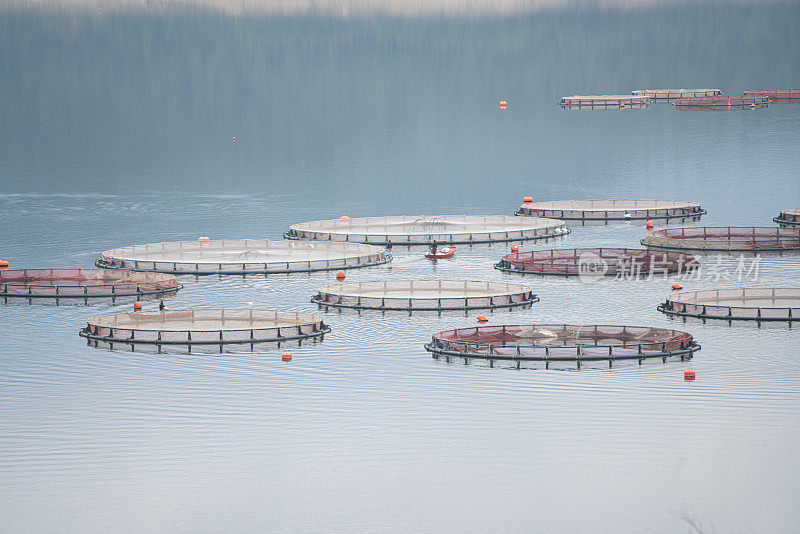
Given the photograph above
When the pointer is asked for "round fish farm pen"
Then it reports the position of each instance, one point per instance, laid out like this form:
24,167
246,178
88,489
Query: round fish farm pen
722,102
788,217
202,330
667,95
424,295
561,343
611,210
81,285
604,101
242,256
776,94
725,239
598,262
424,230
772,304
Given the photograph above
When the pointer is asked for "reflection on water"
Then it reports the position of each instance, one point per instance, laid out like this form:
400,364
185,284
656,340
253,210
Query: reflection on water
117,130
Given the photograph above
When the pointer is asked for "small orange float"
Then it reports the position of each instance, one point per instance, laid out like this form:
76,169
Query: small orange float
340,275
676,287
137,306
514,248
4,265
482,319
286,357
688,375
527,200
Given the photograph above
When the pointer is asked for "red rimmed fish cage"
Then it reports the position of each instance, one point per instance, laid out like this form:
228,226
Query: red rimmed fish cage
424,295
788,218
549,343
756,304
721,102
776,95
604,101
76,285
725,239
612,210
627,262
203,330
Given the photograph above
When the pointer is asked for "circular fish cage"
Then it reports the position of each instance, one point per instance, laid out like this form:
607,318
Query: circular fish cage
598,262
611,210
242,256
725,239
789,218
424,295
772,304
424,230
202,330
561,342
82,285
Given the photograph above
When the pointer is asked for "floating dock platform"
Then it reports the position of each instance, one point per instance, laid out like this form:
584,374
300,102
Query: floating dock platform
604,101
668,95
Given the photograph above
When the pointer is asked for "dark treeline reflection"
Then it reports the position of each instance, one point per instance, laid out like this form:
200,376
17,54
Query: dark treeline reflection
120,87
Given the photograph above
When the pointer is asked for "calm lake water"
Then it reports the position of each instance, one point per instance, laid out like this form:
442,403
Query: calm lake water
117,129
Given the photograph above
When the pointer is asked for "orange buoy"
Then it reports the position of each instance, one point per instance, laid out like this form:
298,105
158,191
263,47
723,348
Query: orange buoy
234,139
622,105
753,105
482,319
676,286
340,275
4,265
344,218
503,103
514,248
137,306
286,357
203,239
649,224
688,375
527,200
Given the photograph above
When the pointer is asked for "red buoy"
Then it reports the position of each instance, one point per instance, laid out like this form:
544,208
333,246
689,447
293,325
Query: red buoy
676,286
137,306
527,200
340,275
204,239
482,319
4,265
688,375
514,248
286,357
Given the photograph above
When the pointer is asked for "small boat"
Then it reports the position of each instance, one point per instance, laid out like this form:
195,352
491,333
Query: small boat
446,252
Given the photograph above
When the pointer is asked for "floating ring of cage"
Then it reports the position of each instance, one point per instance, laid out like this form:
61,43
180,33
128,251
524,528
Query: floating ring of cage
741,304
242,256
667,95
424,295
203,330
75,285
789,218
725,239
424,230
562,342
598,262
612,210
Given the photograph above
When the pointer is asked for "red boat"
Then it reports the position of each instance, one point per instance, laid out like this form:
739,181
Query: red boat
446,252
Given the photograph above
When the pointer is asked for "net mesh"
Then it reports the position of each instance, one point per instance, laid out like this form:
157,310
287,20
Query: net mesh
425,230
425,295
80,283
607,261
541,341
760,303
725,238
